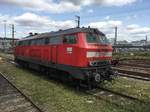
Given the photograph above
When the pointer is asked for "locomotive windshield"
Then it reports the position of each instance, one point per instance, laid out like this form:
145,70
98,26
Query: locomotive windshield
96,38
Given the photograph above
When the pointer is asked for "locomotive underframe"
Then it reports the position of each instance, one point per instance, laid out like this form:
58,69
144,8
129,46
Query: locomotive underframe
91,74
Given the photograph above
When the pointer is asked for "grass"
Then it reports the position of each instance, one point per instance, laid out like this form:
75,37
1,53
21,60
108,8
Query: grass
133,87
50,95
132,55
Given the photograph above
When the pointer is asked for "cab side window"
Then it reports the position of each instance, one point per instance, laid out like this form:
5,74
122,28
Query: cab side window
46,40
25,43
33,42
55,40
70,39
40,41
19,43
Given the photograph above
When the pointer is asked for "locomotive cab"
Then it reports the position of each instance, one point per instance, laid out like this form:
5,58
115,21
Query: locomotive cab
98,52
98,49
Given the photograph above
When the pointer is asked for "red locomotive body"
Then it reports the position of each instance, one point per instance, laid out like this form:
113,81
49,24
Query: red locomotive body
82,52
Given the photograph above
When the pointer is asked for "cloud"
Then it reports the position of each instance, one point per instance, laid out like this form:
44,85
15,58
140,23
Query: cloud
5,17
132,26
63,5
125,32
114,2
36,21
42,5
101,2
106,24
136,29
90,11
80,2
131,17
30,22
107,18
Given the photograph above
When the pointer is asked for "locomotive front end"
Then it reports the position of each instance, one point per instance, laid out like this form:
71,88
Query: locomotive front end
98,57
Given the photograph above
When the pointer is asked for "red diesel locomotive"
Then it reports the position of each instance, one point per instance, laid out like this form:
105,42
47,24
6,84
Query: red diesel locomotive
84,53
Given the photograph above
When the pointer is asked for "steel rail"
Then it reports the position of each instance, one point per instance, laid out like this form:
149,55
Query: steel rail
146,75
28,99
134,77
98,96
121,94
136,65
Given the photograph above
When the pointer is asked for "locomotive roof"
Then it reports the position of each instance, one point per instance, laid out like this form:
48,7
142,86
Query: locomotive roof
64,32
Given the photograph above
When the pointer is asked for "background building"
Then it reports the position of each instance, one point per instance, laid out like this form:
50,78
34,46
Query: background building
6,44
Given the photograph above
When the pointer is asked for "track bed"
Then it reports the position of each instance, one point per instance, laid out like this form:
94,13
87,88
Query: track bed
12,100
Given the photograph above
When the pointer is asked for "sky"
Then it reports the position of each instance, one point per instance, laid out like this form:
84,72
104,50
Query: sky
132,17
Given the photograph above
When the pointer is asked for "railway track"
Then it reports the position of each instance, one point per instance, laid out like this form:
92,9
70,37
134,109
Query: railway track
136,69
134,77
13,100
113,97
132,74
101,92
135,65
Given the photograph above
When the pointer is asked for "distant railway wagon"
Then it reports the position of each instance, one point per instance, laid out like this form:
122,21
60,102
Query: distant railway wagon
84,53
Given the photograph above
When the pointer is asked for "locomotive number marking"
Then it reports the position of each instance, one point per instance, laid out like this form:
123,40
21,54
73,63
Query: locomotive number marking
69,50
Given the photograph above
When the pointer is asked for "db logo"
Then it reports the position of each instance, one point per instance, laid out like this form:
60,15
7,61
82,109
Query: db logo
69,50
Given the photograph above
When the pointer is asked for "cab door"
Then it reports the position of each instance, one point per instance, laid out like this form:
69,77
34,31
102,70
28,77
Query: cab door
69,49
55,43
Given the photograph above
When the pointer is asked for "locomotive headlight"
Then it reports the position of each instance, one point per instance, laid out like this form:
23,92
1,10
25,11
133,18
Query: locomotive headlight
91,54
